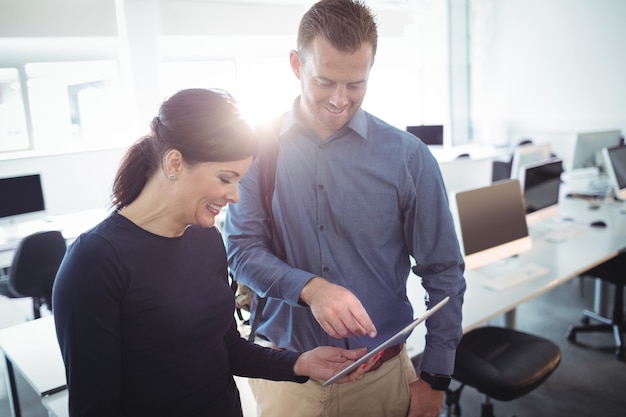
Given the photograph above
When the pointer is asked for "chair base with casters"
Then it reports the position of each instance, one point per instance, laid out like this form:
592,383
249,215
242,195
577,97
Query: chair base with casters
502,364
613,271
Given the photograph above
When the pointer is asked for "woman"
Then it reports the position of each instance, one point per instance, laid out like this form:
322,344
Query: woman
142,307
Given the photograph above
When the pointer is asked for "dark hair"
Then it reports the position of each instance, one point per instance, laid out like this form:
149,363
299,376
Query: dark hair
204,125
346,24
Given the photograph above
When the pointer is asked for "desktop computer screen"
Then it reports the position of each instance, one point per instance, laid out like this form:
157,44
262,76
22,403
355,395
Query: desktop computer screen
491,223
588,148
541,183
615,158
429,134
21,195
527,154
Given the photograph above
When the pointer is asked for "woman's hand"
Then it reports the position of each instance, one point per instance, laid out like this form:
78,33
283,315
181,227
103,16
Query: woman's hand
324,362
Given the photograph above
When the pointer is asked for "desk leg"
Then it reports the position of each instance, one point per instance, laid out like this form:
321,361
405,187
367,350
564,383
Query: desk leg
600,296
14,401
510,318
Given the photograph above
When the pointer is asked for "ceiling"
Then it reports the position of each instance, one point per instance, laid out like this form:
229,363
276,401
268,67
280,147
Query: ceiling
378,4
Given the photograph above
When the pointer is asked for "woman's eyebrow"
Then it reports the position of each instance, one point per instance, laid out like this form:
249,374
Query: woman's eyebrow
227,171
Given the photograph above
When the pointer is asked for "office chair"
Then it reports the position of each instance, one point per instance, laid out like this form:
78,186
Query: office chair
34,267
502,364
502,169
614,272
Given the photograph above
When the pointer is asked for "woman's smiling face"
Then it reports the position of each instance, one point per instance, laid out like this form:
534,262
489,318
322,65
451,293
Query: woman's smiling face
205,188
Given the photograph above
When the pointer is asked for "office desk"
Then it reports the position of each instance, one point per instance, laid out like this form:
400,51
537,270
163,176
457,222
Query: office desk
71,225
57,404
449,153
566,260
41,363
32,350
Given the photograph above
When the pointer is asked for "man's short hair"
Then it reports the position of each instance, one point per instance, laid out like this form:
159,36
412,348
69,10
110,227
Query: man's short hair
346,24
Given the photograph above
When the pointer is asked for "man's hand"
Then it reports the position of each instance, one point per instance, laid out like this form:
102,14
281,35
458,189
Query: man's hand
324,362
336,309
425,401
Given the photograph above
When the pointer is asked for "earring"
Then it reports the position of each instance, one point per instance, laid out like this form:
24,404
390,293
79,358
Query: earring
171,177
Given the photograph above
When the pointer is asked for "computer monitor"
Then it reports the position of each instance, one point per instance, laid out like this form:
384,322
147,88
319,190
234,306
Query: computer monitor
588,148
429,134
541,183
615,158
21,195
466,173
491,223
527,154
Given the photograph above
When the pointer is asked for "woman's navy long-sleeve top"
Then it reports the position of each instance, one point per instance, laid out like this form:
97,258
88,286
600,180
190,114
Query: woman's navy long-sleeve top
146,327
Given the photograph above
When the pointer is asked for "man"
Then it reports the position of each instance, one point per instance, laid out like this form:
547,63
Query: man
355,199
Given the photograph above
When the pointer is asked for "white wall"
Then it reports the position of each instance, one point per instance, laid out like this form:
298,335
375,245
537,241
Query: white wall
546,69
31,30
71,182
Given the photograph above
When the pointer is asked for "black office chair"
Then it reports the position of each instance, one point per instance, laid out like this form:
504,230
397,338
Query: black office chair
502,169
34,267
502,364
613,271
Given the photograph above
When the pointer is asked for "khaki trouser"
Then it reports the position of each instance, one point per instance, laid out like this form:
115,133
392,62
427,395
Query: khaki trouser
380,393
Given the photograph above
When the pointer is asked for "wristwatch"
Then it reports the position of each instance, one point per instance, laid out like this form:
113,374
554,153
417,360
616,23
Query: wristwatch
436,381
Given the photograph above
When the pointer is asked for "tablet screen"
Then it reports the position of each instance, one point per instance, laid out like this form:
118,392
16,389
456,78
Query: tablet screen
393,340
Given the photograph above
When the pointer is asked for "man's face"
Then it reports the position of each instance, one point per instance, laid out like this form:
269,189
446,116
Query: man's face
333,84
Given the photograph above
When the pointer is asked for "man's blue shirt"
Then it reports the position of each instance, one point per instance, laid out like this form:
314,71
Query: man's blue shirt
353,209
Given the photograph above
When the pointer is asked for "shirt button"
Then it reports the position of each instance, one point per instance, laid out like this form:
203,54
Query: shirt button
321,227
321,186
326,269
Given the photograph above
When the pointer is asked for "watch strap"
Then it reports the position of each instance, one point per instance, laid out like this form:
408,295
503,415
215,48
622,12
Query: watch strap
437,382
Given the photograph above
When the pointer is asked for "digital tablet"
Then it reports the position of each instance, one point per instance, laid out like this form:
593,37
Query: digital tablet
393,340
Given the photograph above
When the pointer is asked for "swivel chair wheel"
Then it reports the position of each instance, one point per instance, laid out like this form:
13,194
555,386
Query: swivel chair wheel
620,353
585,320
571,334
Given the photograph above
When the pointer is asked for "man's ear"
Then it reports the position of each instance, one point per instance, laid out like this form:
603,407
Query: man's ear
294,61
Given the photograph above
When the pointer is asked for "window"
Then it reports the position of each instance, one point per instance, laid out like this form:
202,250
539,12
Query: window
13,127
76,104
175,76
267,86
61,94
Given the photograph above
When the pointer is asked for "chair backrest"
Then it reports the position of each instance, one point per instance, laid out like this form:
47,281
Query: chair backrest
36,262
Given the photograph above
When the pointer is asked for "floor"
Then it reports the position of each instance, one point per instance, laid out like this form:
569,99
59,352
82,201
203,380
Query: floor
13,312
589,382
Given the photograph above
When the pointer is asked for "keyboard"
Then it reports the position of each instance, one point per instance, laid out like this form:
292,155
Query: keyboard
517,276
564,233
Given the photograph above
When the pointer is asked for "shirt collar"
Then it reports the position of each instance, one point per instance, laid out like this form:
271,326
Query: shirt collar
358,123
